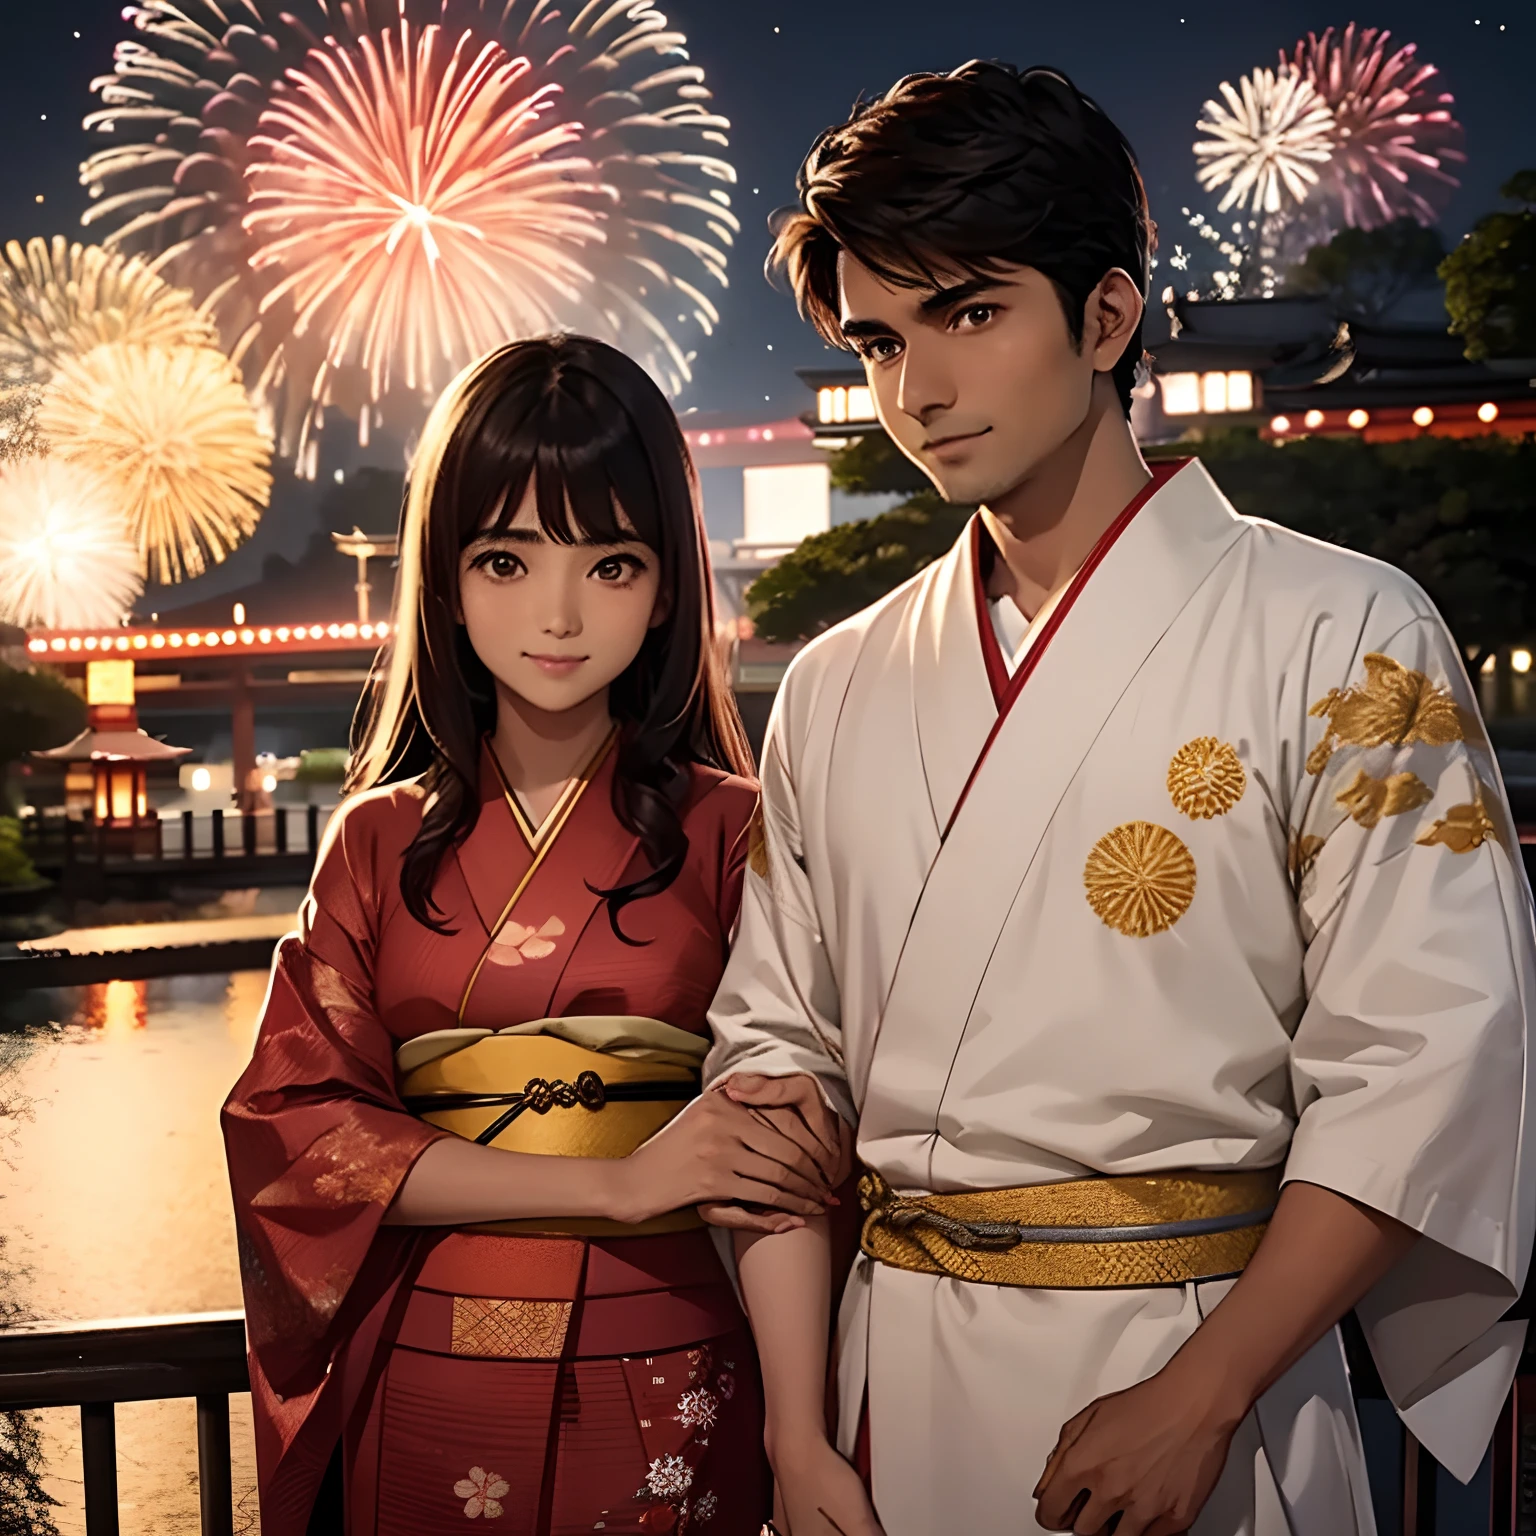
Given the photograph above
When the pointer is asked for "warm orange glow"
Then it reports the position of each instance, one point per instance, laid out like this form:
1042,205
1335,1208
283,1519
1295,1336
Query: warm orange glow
1487,411
1312,420
1280,424
1423,417
122,794
109,682
1359,419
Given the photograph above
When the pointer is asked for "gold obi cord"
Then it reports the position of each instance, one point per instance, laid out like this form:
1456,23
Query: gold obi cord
1082,1234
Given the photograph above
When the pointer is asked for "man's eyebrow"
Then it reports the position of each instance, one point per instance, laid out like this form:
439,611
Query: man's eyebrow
858,330
945,298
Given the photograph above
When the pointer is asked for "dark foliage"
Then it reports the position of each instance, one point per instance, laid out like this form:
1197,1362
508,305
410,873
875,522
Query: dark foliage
1364,271
1490,278
36,711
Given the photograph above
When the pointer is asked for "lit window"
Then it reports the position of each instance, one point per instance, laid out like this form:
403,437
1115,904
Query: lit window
1181,394
1280,424
861,403
839,404
1359,419
1312,420
1423,417
1213,392
823,405
1487,411
1240,390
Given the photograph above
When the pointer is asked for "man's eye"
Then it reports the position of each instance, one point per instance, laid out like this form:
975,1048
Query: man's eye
881,349
976,315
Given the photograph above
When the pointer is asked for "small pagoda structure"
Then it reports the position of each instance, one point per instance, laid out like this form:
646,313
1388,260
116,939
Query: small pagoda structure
106,777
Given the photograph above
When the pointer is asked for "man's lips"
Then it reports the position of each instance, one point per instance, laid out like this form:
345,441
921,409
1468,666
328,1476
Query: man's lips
934,444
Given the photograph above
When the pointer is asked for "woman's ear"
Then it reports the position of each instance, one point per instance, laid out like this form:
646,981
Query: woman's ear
662,610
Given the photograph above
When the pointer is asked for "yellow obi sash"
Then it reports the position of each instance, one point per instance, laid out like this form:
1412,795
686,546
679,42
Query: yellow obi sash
575,1087
1152,1229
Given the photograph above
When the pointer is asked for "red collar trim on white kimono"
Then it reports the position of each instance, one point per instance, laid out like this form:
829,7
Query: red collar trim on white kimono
1006,689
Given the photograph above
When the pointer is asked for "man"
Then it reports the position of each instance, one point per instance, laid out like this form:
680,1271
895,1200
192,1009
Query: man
1138,879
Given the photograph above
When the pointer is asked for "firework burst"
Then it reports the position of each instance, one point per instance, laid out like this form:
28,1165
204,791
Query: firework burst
217,106
1267,143
66,560
1394,134
170,434
415,210
60,300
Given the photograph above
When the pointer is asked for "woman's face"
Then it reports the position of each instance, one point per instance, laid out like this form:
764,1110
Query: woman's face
556,623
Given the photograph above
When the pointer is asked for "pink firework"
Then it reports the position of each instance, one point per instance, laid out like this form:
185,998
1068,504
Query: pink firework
1394,136
415,204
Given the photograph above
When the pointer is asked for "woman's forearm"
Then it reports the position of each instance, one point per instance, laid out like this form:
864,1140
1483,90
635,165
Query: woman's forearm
786,1281
456,1183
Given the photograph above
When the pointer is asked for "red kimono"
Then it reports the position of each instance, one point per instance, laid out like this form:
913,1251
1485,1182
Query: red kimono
625,1398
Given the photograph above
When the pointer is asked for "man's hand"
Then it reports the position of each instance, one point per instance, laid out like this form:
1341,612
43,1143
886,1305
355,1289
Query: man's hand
794,1107
1152,1454
819,1494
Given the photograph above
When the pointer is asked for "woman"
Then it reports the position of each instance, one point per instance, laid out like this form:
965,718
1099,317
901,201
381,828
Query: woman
549,817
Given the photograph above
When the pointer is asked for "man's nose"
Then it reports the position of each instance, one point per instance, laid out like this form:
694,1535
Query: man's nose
927,387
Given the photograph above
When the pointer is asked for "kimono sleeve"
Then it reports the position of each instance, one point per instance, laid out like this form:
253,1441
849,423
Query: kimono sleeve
317,1139
776,1011
1410,1062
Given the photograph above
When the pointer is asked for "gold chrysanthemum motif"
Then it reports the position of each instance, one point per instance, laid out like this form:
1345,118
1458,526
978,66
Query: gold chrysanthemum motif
1395,706
1140,879
1206,778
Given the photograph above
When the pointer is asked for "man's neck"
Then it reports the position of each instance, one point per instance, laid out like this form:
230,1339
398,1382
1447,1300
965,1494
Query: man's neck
1045,527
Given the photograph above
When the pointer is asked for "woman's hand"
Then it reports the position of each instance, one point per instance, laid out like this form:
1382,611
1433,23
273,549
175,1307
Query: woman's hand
794,1107
819,1494
717,1150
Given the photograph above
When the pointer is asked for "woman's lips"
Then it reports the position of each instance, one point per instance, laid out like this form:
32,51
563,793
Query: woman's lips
555,666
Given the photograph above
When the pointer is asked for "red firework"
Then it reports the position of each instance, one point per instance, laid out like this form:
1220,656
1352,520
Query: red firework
1395,136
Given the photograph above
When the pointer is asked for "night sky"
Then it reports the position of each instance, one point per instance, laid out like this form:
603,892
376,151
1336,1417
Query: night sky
782,71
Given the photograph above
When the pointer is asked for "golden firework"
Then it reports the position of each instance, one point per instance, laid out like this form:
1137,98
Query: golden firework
170,432
1206,778
1140,878
60,300
66,560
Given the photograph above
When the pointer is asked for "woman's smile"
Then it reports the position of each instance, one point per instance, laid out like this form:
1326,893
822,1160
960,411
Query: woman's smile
554,665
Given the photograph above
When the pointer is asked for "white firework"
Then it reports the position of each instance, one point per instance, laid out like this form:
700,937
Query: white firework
67,560
1266,145
670,1477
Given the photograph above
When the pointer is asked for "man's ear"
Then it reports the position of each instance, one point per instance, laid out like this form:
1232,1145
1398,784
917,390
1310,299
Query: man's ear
1114,310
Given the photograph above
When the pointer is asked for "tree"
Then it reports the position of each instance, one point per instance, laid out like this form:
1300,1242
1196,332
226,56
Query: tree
873,465
834,574
1365,271
36,711
1490,278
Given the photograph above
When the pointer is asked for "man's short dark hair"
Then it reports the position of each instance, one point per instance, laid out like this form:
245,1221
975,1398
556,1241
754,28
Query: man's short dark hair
985,167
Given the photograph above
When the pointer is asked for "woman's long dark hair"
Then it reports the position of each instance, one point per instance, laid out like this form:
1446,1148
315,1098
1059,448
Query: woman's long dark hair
588,427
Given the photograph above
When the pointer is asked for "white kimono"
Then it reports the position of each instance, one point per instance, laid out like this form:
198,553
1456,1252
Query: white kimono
1222,879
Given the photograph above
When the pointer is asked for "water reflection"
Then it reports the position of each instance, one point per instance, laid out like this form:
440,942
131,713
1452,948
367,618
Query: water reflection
115,1202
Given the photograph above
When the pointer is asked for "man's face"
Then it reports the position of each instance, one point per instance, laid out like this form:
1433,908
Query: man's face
976,381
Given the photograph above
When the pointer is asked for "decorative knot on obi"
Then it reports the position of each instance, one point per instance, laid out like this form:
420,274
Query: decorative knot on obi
1080,1234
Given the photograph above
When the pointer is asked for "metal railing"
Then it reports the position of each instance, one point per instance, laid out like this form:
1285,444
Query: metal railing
95,1366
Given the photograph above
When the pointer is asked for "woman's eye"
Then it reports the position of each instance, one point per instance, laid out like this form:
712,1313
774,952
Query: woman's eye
500,564
616,568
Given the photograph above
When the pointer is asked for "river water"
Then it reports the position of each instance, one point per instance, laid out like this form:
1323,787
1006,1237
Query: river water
114,1203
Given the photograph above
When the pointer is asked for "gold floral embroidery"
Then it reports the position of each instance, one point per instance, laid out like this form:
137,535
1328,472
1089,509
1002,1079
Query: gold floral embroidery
521,1330
515,943
482,1493
1206,778
1464,827
1368,799
1140,878
757,845
1303,853
1394,706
